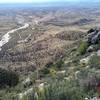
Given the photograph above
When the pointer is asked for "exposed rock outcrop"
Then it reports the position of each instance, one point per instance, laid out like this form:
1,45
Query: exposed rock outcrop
93,36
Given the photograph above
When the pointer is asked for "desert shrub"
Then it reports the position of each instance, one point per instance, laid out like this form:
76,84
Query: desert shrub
95,62
33,76
53,72
6,94
56,64
59,64
97,46
45,71
28,97
89,80
49,64
8,78
59,90
82,48
51,67
62,90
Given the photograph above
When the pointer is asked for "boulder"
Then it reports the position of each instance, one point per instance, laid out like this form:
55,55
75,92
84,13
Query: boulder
27,83
94,98
27,92
61,72
76,74
91,30
90,49
90,36
42,86
84,62
98,53
94,37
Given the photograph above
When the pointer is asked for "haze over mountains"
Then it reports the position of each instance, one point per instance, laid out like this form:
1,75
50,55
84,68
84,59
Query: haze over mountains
59,3
54,4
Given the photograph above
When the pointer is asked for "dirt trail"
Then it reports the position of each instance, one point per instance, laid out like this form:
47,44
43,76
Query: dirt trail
5,38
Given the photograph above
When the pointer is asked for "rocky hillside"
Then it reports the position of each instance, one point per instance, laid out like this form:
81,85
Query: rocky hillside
37,48
50,54
78,69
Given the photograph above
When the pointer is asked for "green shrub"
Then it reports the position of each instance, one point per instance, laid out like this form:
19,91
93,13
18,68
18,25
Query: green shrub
62,90
8,78
53,72
82,48
50,68
45,70
28,97
97,46
59,64
95,62
59,90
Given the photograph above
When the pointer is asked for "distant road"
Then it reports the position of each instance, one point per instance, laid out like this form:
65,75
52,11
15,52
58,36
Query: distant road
5,38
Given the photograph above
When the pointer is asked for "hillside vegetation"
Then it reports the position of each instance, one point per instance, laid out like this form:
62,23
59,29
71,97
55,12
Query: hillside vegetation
56,56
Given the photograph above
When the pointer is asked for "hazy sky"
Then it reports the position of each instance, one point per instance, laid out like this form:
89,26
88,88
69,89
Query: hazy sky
25,1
